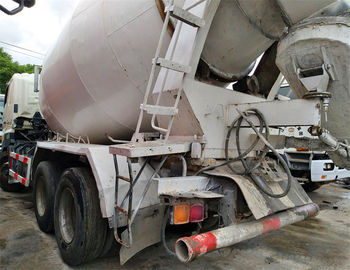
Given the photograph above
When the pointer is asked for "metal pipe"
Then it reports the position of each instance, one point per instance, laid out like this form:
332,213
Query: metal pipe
114,140
326,137
149,182
188,248
36,78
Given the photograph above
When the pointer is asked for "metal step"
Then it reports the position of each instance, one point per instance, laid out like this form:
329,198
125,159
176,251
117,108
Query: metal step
159,110
185,16
172,65
152,148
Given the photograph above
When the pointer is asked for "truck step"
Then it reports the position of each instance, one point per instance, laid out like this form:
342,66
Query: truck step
162,62
159,110
152,148
185,16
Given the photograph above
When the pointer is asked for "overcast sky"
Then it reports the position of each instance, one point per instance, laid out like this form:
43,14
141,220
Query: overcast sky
36,28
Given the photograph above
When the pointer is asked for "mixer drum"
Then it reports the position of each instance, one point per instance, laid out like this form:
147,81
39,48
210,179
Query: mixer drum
94,79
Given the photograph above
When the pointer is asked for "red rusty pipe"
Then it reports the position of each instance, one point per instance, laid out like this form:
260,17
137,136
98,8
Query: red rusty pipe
188,248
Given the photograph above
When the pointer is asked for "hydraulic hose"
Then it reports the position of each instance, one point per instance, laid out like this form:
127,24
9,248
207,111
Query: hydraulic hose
162,233
250,168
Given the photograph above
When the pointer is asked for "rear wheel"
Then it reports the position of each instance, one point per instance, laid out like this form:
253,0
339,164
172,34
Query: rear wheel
4,178
46,178
79,227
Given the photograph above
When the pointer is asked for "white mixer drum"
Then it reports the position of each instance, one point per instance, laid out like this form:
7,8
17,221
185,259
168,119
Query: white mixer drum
93,81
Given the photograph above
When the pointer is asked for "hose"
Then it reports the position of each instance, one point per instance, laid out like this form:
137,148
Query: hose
162,233
250,168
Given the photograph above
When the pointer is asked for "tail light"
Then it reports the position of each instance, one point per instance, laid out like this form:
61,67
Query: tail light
302,149
197,213
185,213
181,214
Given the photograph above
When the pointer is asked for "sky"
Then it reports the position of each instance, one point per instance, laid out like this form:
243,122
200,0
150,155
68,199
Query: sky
35,28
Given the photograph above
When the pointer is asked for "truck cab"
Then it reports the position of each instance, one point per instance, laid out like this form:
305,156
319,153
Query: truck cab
22,125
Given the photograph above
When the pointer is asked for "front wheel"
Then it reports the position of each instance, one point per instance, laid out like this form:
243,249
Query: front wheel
79,227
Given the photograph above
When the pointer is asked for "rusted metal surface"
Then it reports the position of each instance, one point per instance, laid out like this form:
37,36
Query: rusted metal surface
186,187
261,204
147,223
188,248
121,210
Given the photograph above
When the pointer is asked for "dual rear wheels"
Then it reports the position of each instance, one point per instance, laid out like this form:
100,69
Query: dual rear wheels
67,203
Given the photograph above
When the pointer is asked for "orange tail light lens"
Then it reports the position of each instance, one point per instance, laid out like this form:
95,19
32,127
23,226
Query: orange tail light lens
302,149
181,214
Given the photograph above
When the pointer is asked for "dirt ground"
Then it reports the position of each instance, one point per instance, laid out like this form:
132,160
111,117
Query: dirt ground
322,242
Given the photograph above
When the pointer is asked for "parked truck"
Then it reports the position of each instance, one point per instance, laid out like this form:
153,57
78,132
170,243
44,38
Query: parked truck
312,168
137,131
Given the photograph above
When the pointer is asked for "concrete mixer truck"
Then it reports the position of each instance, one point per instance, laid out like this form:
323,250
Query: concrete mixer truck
158,113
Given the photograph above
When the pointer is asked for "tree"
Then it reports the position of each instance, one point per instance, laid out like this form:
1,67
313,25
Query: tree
8,67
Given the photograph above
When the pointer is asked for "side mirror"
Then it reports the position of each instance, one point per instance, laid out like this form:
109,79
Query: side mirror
21,4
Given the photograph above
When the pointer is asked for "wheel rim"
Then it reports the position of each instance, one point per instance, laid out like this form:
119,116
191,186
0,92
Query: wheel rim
41,198
67,215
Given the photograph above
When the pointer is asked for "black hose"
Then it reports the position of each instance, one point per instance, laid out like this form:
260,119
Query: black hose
162,233
249,168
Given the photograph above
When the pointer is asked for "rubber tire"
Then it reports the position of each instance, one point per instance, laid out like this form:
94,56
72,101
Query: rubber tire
111,246
49,172
17,187
311,186
90,229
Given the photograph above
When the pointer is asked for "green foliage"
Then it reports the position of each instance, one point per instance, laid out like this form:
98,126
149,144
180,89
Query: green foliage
8,67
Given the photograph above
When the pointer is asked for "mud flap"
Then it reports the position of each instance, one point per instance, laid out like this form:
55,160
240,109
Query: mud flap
145,231
259,203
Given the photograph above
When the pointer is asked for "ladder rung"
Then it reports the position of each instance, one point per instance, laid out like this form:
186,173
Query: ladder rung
159,110
121,210
185,16
123,178
173,65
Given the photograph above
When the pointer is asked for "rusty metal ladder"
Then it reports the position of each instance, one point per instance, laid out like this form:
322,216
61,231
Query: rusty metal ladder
186,17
